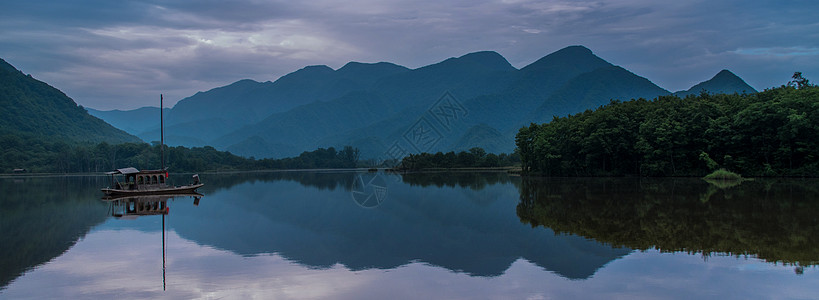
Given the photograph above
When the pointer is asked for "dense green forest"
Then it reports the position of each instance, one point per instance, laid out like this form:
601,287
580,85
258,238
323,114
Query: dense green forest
770,133
476,157
37,155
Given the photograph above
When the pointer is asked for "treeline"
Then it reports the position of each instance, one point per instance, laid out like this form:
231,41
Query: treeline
474,158
770,133
37,155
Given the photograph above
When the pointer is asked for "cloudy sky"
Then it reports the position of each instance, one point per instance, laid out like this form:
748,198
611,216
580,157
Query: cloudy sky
123,54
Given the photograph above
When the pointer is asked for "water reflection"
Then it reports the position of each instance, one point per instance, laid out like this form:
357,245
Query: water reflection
470,180
486,231
322,180
369,190
472,230
773,219
41,218
132,207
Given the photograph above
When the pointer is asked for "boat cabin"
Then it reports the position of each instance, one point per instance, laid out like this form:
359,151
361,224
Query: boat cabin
138,180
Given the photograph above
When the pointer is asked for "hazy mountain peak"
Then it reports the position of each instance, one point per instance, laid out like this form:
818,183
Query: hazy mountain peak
370,71
574,50
241,84
306,73
489,59
726,76
482,59
725,82
576,57
317,68
355,66
725,72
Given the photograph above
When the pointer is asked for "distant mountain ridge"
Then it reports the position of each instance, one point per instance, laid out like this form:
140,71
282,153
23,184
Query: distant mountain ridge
136,120
382,106
32,108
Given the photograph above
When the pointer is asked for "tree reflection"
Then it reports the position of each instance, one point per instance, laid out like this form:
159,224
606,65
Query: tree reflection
472,180
41,218
772,219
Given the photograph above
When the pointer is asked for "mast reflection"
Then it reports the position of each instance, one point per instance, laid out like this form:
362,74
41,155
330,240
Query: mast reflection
148,205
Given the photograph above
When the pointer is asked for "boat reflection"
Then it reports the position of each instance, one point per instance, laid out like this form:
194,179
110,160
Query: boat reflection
146,205
135,206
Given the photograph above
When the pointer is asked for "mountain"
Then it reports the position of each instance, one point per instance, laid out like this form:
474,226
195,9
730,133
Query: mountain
200,119
253,101
534,84
402,96
724,82
593,89
132,121
32,108
552,71
478,99
484,136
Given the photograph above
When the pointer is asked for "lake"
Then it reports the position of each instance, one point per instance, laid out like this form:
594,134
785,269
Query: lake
361,235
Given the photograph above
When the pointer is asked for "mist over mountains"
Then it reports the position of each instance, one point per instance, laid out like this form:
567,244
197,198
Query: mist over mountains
476,100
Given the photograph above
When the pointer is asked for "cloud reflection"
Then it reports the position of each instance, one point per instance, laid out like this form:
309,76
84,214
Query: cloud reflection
106,264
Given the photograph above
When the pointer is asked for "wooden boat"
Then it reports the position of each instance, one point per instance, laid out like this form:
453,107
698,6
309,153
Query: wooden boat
148,182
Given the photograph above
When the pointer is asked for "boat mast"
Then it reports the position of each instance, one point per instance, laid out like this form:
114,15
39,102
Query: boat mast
161,133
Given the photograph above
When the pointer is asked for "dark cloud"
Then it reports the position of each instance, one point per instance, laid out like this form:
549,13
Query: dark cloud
121,54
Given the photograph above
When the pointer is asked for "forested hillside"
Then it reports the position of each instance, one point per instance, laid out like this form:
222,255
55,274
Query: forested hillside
30,108
770,133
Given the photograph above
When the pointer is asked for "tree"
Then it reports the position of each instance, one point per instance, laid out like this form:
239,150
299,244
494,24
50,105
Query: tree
799,81
478,152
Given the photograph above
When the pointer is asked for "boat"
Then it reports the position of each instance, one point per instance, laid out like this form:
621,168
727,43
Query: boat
148,182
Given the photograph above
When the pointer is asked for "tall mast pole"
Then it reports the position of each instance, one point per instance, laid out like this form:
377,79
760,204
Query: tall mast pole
161,132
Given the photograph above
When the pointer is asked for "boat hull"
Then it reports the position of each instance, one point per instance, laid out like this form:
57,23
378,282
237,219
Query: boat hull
185,189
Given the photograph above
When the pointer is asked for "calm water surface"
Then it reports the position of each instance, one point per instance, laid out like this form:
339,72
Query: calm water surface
354,235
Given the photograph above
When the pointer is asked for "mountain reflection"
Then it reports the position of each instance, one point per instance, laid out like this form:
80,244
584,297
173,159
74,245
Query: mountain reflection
41,218
323,180
773,219
472,230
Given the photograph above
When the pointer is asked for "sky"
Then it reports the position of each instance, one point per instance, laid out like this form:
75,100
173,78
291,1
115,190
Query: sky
123,54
